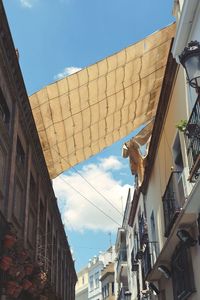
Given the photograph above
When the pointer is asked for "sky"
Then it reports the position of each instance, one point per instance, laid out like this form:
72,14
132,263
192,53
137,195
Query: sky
56,38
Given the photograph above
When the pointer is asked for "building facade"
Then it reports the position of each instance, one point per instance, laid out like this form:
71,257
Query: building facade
108,282
89,285
36,260
82,285
166,251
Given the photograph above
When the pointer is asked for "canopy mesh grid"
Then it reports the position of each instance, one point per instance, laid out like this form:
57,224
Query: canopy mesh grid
79,115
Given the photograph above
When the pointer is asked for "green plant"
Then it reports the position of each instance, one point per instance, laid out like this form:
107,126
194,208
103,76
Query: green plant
181,125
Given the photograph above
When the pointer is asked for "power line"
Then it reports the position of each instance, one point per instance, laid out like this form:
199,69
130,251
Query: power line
90,201
98,192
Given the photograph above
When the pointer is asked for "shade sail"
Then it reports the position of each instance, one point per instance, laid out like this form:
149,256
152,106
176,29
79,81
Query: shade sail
78,116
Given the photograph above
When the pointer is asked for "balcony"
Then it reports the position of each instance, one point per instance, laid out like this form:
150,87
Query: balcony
172,202
192,137
122,266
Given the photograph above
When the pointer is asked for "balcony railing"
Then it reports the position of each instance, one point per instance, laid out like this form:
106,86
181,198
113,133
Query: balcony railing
192,134
146,261
143,232
149,257
171,201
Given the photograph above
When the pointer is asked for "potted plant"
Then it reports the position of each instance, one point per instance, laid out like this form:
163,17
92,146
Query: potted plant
181,126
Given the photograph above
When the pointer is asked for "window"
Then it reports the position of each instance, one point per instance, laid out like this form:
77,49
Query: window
97,279
182,273
20,153
31,228
83,280
2,170
4,111
19,202
153,243
91,283
42,216
113,288
135,242
33,193
177,154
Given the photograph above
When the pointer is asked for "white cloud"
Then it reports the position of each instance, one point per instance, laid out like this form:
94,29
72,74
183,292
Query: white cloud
26,3
111,162
78,214
66,72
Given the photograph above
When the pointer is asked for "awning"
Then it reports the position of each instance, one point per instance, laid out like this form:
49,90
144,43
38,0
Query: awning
78,116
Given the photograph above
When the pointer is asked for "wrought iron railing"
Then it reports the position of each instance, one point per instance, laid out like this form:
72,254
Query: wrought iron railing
192,137
149,257
171,202
146,261
143,232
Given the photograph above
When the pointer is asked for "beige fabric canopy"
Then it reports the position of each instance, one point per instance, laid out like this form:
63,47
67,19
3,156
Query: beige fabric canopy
80,115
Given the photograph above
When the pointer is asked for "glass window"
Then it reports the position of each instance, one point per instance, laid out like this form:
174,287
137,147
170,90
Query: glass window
31,228
91,283
4,111
20,153
19,202
113,288
107,289
97,279
2,169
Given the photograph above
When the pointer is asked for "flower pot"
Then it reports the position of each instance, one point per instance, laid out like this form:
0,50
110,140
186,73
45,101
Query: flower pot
5,263
9,241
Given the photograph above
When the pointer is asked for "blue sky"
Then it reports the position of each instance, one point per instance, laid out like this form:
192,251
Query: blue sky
55,37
